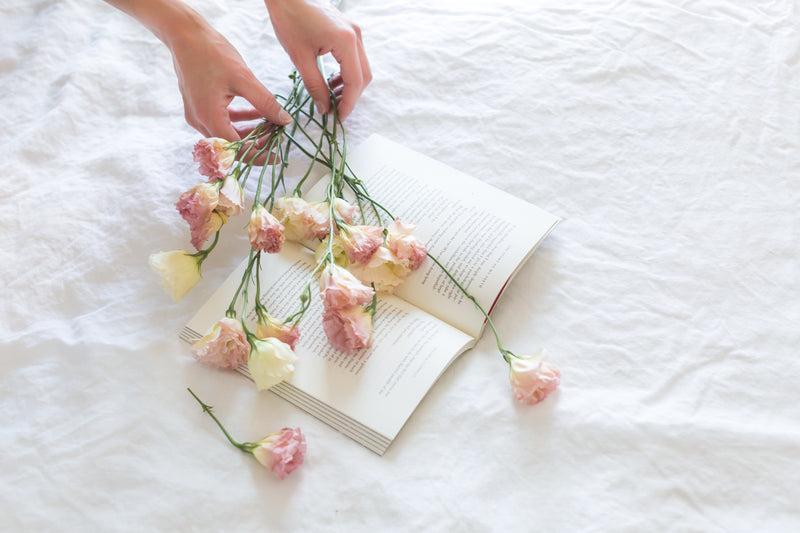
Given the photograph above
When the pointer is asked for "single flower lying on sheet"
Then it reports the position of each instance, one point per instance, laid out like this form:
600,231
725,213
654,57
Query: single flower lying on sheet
281,451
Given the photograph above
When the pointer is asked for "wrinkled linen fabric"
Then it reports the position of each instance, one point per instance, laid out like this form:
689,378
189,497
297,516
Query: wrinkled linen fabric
665,133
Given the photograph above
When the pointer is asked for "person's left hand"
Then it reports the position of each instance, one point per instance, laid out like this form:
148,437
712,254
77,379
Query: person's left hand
210,74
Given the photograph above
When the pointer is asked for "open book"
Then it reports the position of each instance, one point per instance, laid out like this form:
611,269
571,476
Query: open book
480,233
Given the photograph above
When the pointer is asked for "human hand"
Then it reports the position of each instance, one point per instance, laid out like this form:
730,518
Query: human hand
210,74
309,28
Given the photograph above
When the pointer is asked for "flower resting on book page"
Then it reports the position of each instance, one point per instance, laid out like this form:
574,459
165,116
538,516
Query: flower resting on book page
348,329
282,452
225,346
359,243
270,327
346,318
307,221
340,289
405,247
270,361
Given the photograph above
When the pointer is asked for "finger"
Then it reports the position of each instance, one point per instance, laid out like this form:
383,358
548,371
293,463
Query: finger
314,82
199,127
238,115
219,124
347,57
190,119
337,92
264,101
366,71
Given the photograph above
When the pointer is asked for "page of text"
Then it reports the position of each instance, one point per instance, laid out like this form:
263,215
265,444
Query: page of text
379,387
481,234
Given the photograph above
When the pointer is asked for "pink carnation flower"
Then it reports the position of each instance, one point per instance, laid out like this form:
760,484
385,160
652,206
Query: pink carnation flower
265,232
344,209
306,221
301,220
225,346
197,206
215,157
283,332
384,270
340,289
360,242
533,379
282,452
407,248
348,329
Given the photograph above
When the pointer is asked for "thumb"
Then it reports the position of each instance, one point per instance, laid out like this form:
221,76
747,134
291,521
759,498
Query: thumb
314,82
264,101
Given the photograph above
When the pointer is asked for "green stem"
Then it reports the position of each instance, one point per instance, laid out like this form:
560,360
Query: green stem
231,311
506,353
244,446
202,254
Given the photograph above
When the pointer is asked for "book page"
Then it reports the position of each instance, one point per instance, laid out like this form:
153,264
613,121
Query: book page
379,387
480,233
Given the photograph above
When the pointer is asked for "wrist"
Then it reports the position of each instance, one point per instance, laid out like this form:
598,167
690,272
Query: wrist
173,21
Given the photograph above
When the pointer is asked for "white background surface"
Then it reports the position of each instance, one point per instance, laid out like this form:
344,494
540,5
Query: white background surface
666,133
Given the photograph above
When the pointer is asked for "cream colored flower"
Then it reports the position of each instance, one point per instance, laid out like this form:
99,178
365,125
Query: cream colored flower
305,221
301,220
384,270
271,361
231,197
179,271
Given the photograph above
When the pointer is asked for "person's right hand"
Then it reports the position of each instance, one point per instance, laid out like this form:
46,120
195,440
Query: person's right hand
309,28
210,74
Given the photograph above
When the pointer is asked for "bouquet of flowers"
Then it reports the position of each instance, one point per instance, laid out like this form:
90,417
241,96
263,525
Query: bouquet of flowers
362,251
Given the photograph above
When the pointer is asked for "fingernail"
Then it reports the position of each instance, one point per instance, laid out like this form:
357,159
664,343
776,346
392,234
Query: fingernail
322,106
284,117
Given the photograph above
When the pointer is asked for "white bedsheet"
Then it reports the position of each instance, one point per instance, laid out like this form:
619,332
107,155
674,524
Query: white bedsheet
666,133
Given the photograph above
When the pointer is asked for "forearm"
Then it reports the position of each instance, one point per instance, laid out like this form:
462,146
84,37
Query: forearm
167,19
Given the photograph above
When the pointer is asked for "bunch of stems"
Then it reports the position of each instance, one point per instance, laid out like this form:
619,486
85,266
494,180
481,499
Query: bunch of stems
329,149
